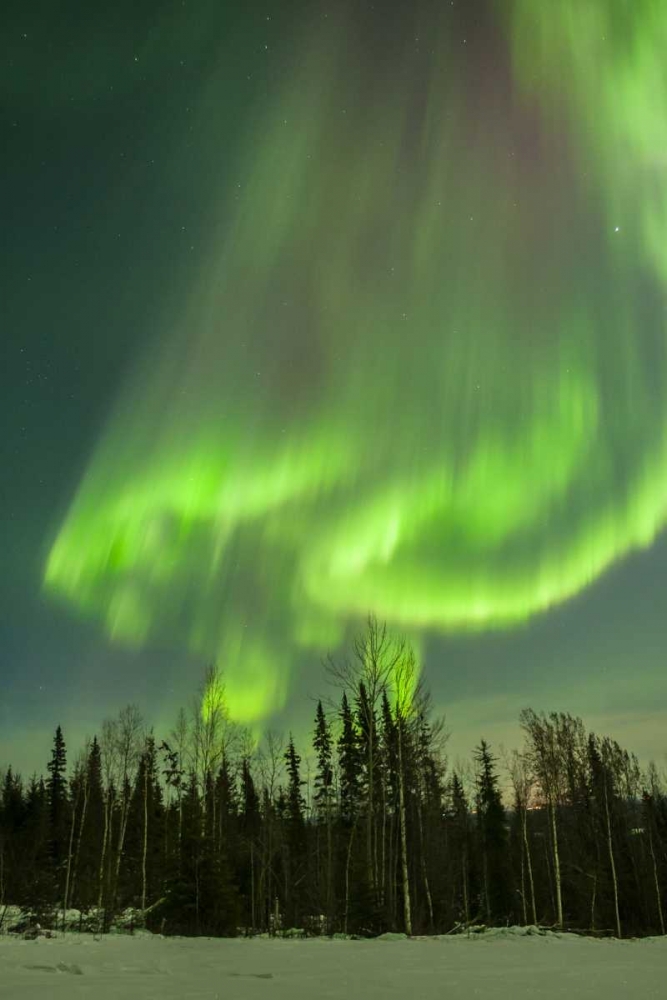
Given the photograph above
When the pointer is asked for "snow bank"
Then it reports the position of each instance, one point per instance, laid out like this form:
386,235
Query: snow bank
17,919
505,964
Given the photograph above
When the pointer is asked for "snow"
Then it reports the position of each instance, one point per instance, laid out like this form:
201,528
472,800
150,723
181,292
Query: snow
497,965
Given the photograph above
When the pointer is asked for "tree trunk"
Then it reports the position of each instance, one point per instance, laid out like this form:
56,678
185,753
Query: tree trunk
427,887
329,869
371,817
125,811
180,827
383,843
252,884
70,850
656,881
391,871
144,852
485,877
269,865
105,844
347,878
77,853
407,914
557,878
197,893
523,883
612,862
464,873
529,865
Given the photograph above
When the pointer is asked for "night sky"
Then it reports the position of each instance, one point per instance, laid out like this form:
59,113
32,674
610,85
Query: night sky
311,310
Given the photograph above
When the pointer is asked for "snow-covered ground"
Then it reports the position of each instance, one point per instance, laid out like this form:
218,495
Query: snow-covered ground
500,965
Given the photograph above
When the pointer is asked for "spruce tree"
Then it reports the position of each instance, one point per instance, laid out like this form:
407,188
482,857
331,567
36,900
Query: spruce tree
428,803
226,810
349,763
493,835
295,836
56,789
12,838
250,822
370,776
389,765
459,843
295,801
226,831
199,895
324,809
324,773
90,828
37,866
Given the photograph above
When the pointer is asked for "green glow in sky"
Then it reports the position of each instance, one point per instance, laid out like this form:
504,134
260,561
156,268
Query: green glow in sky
419,374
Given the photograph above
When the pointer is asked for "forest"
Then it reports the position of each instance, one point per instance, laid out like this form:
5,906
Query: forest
369,829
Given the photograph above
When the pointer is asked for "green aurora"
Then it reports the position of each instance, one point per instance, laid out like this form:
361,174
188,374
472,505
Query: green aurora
409,379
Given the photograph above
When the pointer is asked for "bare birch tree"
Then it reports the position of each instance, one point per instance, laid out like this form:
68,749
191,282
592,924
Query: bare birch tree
544,754
404,681
653,793
522,785
209,720
124,737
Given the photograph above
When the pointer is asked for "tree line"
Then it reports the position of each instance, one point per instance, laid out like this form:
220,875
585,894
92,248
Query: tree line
205,832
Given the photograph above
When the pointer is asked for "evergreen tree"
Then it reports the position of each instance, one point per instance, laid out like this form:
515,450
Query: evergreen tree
295,836
493,838
250,822
324,773
226,832
459,845
370,778
360,911
428,802
323,810
88,851
36,851
199,896
349,763
295,801
12,840
389,765
226,810
58,805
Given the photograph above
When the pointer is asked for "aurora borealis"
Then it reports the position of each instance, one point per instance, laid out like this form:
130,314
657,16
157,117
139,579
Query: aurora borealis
416,366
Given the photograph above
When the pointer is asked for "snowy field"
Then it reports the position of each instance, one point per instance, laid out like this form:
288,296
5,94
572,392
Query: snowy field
507,965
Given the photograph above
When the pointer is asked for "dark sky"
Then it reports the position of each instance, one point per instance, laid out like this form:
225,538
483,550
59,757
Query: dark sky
310,311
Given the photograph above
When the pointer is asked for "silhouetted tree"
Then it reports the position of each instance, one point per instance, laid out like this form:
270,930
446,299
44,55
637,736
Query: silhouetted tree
493,837
56,790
